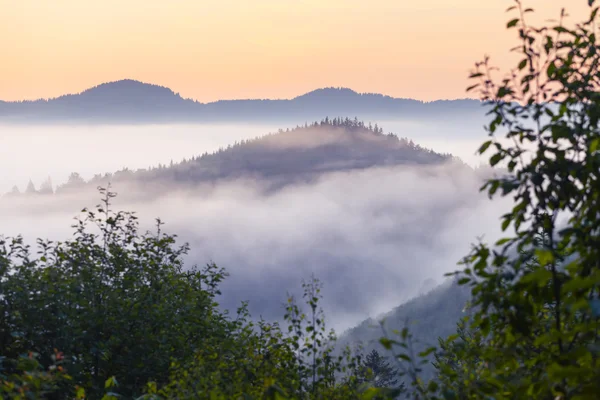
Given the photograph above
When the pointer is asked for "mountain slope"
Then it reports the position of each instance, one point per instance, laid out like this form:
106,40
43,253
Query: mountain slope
119,101
129,101
301,154
430,316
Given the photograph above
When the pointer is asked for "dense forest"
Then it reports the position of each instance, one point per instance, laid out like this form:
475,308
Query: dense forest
289,156
113,312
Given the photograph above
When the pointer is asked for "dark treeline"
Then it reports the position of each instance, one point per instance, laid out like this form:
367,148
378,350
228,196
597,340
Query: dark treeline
301,153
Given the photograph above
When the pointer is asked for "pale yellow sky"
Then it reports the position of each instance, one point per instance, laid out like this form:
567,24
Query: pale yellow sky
224,49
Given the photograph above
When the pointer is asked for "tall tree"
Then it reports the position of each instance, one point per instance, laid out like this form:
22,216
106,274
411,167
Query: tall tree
116,302
30,188
46,187
537,315
376,370
534,332
14,191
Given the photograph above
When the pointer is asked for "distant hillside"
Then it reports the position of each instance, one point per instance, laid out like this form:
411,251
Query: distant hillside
300,154
116,101
294,155
430,316
129,101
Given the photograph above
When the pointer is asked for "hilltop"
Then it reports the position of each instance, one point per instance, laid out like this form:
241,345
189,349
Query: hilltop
301,154
131,101
289,156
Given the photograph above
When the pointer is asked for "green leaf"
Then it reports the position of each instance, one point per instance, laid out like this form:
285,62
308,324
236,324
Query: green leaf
544,257
594,144
80,393
484,147
502,241
110,382
495,159
512,23
523,63
386,343
551,69
503,91
369,394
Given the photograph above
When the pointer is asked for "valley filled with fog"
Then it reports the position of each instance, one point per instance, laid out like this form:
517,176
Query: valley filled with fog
376,236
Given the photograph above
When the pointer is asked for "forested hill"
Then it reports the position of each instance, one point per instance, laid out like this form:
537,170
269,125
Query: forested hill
294,155
130,101
430,316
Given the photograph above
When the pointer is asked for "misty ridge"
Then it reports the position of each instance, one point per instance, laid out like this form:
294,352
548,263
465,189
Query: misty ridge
134,102
276,159
378,218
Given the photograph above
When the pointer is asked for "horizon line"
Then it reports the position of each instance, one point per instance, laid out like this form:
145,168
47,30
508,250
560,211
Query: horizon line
235,99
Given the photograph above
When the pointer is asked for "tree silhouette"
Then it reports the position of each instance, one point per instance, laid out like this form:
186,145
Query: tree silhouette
377,371
30,188
46,187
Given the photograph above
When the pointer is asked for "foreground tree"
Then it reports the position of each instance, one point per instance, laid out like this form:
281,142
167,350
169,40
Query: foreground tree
116,302
265,361
115,311
534,331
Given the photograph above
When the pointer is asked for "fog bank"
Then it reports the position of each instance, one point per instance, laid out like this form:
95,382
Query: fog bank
372,236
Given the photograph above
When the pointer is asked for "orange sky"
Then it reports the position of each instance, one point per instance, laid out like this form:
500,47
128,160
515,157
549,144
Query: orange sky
223,49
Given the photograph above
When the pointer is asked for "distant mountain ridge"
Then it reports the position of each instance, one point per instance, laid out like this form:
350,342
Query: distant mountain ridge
131,101
302,154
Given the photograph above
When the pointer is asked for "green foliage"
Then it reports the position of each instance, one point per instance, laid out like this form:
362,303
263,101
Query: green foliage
25,378
114,301
267,361
121,305
535,318
534,328
377,372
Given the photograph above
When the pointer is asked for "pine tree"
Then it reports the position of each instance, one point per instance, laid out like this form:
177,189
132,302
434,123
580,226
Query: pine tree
46,187
30,188
75,179
14,191
376,370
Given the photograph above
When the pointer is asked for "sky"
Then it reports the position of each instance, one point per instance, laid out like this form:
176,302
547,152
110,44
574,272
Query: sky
230,49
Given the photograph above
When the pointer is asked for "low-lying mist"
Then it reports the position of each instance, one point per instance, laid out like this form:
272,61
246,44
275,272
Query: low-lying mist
374,237
38,152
